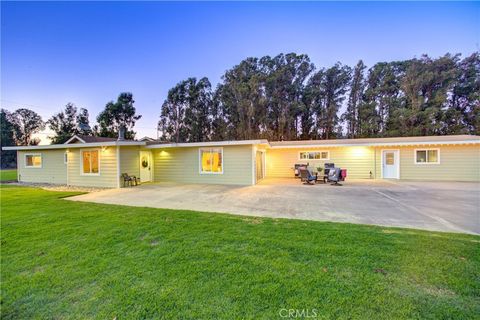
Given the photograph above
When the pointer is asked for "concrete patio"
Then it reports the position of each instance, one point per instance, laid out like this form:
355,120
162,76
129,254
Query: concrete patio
440,206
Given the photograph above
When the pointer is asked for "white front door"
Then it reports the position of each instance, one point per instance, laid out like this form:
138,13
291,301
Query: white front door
145,166
390,164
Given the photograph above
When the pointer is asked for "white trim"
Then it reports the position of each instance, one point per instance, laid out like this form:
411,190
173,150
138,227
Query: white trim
254,163
265,163
398,162
374,144
313,151
74,137
67,152
152,161
146,138
207,144
200,160
242,142
78,145
18,167
263,159
34,155
426,156
81,162
118,166
139,163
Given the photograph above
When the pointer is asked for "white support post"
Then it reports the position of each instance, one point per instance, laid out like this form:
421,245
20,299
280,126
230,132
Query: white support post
67,152
118,166
254,154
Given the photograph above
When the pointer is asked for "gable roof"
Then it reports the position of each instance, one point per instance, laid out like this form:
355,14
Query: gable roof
88,139
146,139
81,141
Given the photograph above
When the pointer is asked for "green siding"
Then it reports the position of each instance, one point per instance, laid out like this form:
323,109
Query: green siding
129,161
182,165
53,169
108,177
457,163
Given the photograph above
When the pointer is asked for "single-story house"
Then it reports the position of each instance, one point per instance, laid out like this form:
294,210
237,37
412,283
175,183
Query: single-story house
100,162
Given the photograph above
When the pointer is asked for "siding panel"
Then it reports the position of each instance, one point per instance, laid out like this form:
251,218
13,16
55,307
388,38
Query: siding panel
182,165
108,169
53,169
129,162
457,163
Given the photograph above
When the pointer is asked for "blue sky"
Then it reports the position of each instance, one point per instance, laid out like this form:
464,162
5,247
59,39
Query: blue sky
87,53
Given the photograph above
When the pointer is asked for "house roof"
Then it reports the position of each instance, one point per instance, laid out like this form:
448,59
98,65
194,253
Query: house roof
396,141
146,139
84,141
88,139
158,144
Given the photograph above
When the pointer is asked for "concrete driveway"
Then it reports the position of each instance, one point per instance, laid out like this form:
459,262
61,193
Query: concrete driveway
440,206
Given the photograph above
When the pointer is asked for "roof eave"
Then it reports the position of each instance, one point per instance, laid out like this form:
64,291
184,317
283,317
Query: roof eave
207,144
77,146
374,144
74,137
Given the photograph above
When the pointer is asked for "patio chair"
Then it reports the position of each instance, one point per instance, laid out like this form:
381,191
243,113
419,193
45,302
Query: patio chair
335,175
326,170
297,168
307,177
129,180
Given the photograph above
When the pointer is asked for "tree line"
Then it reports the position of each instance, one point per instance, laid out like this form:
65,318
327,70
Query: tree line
287,98
20,126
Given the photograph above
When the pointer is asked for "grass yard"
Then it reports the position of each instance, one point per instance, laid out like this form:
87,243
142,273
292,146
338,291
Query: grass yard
8,175
72,260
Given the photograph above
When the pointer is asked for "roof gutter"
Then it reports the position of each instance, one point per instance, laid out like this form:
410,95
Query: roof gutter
375,144
77,145
233,143
207,144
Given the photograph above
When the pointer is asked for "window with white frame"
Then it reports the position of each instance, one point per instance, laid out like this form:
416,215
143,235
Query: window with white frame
427,156
314,155
90,162
33,160
211,160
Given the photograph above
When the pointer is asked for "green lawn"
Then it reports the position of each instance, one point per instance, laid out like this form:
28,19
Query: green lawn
72,260
8,175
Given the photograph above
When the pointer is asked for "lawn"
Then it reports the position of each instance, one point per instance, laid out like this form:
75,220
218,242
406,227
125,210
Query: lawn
8,175
72,260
